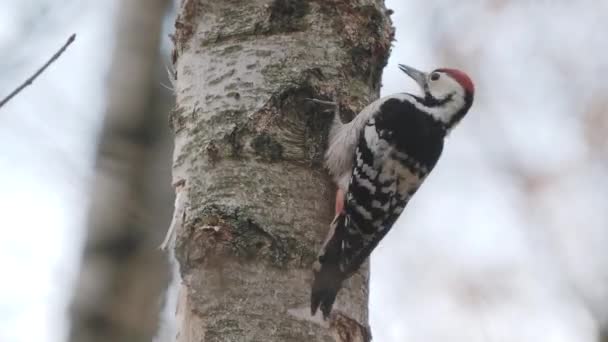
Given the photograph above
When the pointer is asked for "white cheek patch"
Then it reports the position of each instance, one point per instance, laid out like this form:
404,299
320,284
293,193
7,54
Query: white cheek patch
443,87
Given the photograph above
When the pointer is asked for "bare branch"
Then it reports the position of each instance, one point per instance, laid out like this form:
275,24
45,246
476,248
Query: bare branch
39,71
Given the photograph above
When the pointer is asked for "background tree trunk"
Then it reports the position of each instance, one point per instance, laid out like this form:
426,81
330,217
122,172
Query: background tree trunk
118,295
254,202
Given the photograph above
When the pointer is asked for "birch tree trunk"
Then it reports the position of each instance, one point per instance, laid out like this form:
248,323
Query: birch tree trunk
253,200
123,274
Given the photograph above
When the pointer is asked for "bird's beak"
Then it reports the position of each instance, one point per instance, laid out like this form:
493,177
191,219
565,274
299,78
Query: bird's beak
417,75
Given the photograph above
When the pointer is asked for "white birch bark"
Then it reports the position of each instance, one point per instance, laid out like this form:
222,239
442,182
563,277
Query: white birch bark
248,160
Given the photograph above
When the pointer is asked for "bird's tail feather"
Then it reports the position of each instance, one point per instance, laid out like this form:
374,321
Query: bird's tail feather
328,277
324,291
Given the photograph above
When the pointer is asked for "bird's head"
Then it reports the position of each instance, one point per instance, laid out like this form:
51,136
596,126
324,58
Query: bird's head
448,93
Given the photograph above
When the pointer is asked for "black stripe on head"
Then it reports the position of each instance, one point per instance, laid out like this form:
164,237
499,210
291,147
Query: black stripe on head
431,101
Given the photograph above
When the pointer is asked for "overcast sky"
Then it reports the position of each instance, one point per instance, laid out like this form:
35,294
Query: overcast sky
505,241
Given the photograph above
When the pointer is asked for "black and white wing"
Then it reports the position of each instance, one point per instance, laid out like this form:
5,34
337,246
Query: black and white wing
368,214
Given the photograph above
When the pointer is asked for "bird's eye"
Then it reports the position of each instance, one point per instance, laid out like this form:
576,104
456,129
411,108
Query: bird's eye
435,76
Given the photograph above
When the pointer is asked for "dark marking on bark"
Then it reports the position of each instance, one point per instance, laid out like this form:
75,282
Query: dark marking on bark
360,60
302,127
278,17
212,152
313,73
238,84
174,57
287,15
306,121
184,27
234,140
221,78
221,232
263,53
228,142
209,240
346,329
173,40
267,147
317,131
210,98
230,49
177,119
233,94
252,240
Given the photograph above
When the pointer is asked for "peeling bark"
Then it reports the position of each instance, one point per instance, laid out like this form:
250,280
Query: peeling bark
248,156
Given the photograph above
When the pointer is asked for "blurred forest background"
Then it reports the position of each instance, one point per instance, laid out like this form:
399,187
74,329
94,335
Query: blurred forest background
505,242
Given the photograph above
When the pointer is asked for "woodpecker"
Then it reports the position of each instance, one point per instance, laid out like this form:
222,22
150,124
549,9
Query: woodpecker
378,161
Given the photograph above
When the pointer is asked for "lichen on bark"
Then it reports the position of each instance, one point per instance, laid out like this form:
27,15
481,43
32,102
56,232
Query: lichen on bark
248,151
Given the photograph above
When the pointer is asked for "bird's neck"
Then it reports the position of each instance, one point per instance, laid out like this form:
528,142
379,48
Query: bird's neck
447,112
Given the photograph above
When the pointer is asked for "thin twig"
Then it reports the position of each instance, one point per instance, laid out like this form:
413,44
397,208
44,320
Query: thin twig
38,72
